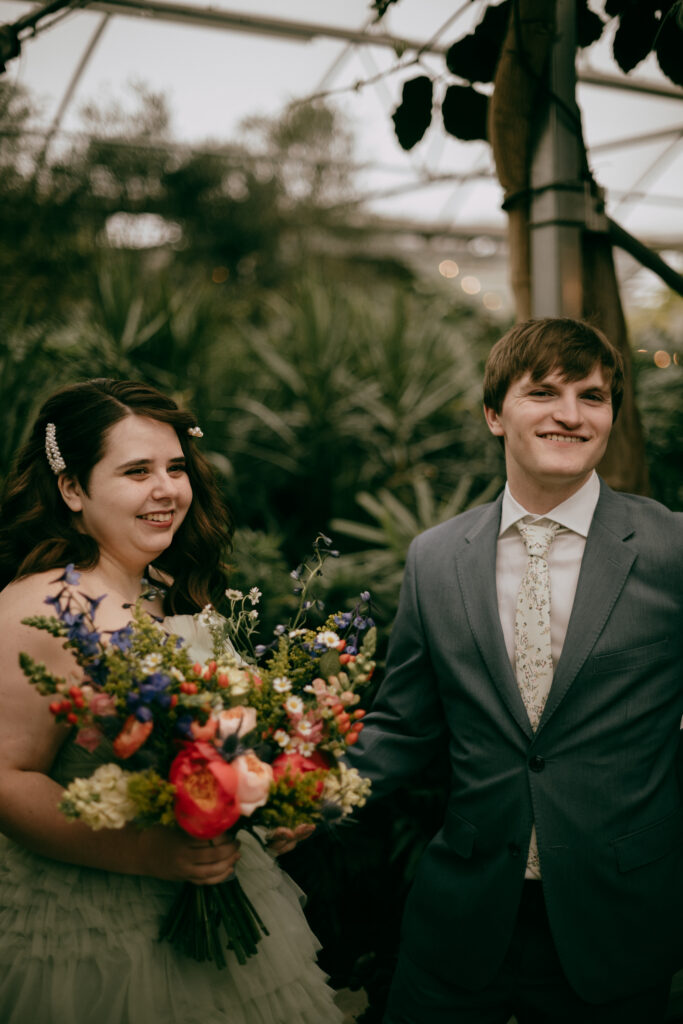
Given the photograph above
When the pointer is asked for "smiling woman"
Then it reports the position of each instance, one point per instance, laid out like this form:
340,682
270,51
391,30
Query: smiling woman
112,481
118,442
138,494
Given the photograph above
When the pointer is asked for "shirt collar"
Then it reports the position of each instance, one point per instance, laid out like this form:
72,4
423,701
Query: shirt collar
575,514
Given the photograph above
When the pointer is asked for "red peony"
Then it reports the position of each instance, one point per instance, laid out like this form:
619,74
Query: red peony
206,787
293,766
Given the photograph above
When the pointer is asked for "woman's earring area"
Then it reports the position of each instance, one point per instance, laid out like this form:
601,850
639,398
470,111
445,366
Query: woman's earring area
70,492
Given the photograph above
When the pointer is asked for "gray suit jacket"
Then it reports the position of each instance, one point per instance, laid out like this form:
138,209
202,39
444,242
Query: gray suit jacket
598,778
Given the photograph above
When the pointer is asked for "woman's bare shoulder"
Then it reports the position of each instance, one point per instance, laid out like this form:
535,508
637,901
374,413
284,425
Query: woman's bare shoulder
26,596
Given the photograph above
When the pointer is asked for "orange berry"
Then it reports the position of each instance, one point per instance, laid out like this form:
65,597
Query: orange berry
351,738
359,713
344,659
72,718
222,679
56,707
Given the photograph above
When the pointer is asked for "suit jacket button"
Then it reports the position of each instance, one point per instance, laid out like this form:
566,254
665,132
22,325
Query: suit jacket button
514,849
536,763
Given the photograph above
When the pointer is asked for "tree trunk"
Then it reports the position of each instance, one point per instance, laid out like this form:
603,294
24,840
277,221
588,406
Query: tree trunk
515,113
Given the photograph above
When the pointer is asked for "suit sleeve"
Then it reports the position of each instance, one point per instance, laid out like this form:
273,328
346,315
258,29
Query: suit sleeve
407,722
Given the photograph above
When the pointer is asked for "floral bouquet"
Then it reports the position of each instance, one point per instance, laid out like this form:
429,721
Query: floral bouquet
244,737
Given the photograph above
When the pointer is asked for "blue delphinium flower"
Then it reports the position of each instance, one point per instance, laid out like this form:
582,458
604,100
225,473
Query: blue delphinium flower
70,576
122,638
154,689
184,726
94,602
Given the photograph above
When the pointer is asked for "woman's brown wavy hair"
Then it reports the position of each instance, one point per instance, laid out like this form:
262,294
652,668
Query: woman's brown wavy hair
37,530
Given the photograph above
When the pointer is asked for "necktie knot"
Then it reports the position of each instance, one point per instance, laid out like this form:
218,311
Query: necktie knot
538,537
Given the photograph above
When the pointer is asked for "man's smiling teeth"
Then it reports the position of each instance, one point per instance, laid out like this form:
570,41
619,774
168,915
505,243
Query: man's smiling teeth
157,517
563,437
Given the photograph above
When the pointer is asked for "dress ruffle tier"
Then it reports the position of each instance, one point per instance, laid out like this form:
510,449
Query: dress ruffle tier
79,946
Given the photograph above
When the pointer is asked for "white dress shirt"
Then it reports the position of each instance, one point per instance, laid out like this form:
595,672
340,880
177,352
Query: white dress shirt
564,564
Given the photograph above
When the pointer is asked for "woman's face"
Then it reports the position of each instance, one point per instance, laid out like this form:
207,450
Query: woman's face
138,493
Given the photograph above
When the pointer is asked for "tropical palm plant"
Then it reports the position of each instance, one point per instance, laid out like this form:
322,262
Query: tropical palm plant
348,395
380,564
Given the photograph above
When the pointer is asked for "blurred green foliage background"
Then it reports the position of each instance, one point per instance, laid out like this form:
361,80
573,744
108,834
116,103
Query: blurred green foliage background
336,392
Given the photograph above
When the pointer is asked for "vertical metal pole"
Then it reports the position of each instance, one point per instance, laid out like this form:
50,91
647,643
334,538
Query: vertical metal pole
557,215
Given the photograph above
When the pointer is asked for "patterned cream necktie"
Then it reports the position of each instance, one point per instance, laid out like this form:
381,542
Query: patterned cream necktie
533,654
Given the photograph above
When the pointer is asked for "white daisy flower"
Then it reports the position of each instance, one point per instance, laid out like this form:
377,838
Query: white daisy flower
254,595
281,737
234,595
150,662
328,639
282,684
294,705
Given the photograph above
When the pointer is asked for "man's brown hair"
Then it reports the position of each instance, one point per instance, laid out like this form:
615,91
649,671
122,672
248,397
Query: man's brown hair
540,347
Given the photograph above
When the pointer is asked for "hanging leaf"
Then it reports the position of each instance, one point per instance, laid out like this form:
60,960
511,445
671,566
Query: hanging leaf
634,38
380,7
475,57
464,112
589,25
669,49
414,115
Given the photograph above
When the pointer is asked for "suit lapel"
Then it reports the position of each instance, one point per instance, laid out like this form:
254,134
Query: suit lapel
605,567
476,570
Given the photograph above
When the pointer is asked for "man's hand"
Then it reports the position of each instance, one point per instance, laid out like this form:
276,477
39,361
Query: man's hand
282,840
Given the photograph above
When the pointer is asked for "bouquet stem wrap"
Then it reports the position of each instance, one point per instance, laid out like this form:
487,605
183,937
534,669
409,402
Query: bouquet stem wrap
206,919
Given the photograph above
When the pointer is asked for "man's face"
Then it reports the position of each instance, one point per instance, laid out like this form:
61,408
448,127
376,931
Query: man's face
555,433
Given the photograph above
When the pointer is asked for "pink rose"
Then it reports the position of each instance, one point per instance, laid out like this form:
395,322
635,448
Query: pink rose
239,720
102,704
254,778
89,737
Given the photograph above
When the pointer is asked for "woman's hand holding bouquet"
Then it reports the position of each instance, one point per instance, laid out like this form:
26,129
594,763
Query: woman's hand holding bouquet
205,747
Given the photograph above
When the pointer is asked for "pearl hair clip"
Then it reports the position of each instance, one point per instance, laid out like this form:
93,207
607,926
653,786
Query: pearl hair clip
54,456
195,432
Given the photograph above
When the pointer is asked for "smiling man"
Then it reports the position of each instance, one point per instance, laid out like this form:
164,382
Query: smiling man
539,639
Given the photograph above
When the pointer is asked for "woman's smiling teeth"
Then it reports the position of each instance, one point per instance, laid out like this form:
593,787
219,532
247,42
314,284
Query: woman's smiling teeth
157,517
